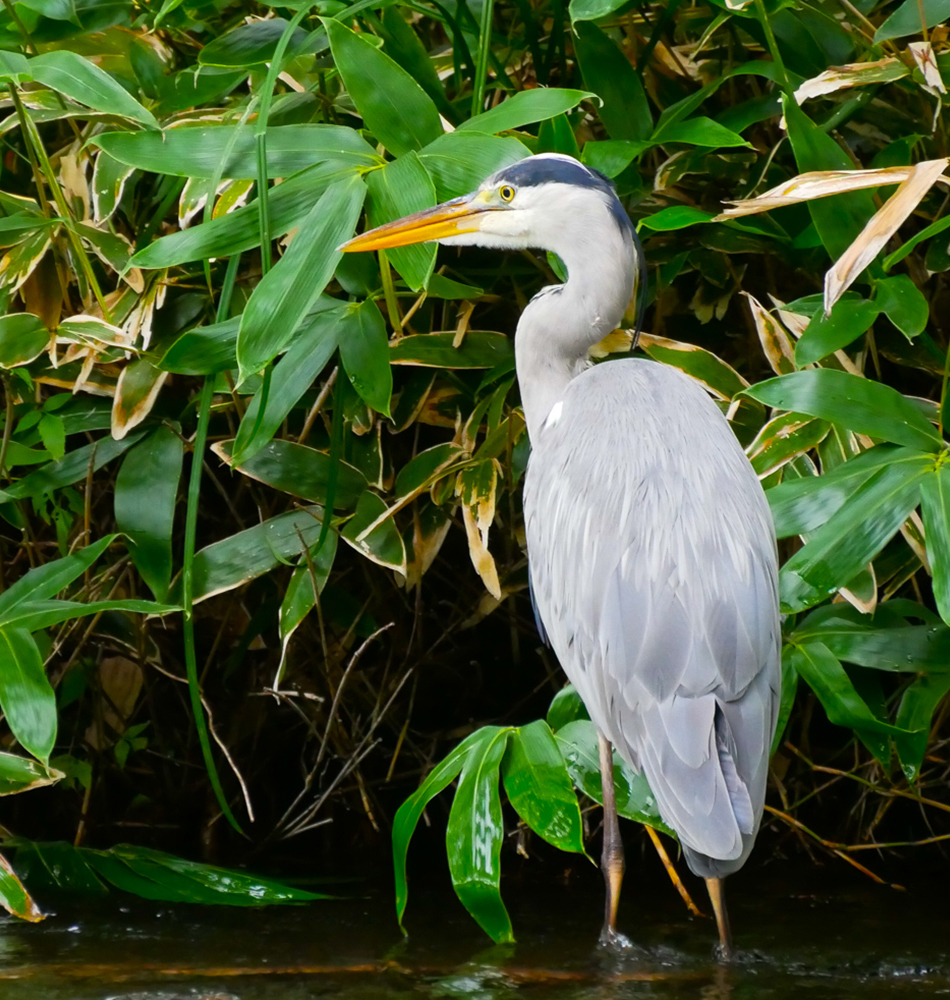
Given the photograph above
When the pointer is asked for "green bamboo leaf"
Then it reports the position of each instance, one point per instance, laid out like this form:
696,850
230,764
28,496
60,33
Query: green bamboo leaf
565,707
593,10
479,349
907,20
14,68
849,319
823,673
608,73
840,218
474,836
540,789
251,553
404,45
579,746
400,188
146,490
702,365
34,615
525,108
214,150
20,774
935,494
313,346
299,599
84,82
288,204
27,700
932,230
394,107
23,338
13,897
853,536
251,45
301,471
782,439
856,403
365,355
802,505
676,217
58,865
48,580
383,545
58,10
459,161
789,690
70,469
410,812
915,713
289,290
904,304
698,132
423,470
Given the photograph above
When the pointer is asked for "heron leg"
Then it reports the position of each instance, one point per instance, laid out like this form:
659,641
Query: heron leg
612,857
717,896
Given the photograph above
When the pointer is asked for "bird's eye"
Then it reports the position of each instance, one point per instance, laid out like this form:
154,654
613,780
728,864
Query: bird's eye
506,192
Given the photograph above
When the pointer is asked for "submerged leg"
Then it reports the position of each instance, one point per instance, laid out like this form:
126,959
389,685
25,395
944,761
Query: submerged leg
717,897
612,856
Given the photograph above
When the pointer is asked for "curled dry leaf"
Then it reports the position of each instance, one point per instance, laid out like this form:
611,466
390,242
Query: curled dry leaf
775,339
852,75
880,228
816,184
477,487
926,61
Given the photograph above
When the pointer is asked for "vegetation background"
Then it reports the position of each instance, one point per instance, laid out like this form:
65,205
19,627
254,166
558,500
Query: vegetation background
261,548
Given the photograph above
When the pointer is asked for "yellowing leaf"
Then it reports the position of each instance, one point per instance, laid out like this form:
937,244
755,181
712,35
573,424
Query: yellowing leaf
477,487
852,75
881,227
776,342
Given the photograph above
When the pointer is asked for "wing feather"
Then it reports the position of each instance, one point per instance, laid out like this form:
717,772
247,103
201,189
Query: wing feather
653,565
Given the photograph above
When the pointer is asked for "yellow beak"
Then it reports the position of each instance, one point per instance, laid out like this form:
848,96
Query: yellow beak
460,215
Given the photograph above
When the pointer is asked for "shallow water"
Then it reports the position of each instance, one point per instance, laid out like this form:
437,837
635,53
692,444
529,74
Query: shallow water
814,933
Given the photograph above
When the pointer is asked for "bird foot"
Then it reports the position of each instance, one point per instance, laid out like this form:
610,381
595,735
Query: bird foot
614,942
723,955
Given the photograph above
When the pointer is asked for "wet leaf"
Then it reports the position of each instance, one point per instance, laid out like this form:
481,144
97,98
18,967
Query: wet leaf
540,789
289,290
566,706
859,404
394,107
410,812
244,556
578,744
23,338
914,714
146,490
83,81
474,836
27,700
301,471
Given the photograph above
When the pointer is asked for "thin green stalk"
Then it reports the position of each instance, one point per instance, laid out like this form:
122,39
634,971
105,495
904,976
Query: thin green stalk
484,53
188,562
266,95
32,137
389,293
773,46
336,456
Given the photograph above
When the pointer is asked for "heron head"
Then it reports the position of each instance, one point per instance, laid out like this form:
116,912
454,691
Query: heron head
549,202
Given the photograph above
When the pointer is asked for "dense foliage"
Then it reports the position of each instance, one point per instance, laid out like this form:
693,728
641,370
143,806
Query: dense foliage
303,621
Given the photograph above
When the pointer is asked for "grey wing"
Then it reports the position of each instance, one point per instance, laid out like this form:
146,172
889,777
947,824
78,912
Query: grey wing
653,565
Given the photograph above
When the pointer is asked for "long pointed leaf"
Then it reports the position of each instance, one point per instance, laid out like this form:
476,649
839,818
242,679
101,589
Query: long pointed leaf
27,700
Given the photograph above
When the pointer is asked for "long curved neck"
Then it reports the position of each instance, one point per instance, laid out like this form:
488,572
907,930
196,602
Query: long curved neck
562,323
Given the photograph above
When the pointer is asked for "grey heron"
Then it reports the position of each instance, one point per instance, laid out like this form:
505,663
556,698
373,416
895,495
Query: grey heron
651,548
